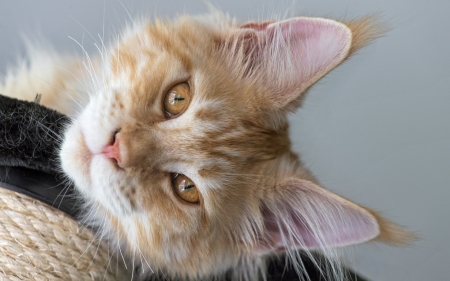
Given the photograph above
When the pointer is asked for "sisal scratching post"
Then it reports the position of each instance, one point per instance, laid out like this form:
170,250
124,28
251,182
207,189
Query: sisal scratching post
39,242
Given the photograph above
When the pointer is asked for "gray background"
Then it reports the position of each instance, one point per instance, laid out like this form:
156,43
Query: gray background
375,130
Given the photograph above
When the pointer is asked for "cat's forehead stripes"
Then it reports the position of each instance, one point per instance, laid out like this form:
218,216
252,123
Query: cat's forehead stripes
146,63
144,45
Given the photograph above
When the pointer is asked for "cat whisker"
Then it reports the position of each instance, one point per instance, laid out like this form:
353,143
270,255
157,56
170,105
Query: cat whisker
118,53
84,28
102,51
132,266
60,87
94,239
126,11
89,67
78,80
99,241
121,254
83,76
245,175
91,74
61,194
87,55
141,255
99,236
109,264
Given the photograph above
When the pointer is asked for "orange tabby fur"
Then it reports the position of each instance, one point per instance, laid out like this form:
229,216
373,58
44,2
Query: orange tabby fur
232,141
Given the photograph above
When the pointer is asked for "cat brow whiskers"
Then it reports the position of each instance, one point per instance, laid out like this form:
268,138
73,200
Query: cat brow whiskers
84,28
246,175
118,53
85,79
102,52
126,10
103,24
78,80
95,41
89,67
60,87
242,178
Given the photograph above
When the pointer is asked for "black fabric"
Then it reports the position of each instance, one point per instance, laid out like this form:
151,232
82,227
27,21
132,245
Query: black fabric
29,135
279,271
42,186
29,139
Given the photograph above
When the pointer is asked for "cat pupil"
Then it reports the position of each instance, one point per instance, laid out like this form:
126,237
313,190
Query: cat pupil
184,186
173,99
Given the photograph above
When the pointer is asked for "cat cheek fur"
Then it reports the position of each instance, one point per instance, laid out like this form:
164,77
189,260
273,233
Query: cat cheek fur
232,141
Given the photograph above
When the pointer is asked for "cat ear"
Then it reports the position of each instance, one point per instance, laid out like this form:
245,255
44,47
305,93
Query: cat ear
289,56
302,215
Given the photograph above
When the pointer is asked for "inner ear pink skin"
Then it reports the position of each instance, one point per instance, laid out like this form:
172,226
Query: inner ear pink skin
304,215
294,53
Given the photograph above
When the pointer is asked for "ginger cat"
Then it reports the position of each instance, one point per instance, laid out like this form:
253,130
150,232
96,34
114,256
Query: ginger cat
182,153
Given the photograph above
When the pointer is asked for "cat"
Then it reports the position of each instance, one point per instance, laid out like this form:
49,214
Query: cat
181,149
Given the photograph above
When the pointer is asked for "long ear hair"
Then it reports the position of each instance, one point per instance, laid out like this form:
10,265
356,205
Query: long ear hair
300,215
289,56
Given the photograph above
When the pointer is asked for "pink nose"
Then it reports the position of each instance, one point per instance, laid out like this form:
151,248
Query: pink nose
113,151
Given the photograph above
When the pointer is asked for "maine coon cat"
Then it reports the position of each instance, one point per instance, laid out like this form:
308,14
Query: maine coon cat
182,151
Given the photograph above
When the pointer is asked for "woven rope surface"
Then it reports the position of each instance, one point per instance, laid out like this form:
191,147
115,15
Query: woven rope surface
38,242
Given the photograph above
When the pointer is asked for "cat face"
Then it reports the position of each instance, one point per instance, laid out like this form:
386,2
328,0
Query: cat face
183,152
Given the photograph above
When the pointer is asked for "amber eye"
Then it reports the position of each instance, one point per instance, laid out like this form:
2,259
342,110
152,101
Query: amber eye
185,188
177,99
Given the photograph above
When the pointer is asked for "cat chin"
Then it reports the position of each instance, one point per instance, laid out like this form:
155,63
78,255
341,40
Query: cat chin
76,157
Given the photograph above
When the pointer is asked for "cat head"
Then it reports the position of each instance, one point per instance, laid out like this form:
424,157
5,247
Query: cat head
183,152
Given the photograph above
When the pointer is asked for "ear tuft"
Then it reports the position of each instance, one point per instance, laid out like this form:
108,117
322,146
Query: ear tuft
391,233
365,30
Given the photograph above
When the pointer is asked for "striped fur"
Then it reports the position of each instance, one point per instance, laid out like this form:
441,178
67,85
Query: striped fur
232,141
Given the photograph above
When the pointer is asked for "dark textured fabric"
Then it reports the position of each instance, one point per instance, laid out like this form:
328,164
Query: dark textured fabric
29,139
279,271
29,135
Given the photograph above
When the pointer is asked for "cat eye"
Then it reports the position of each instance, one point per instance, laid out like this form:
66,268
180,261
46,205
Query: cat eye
177,99
185,188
